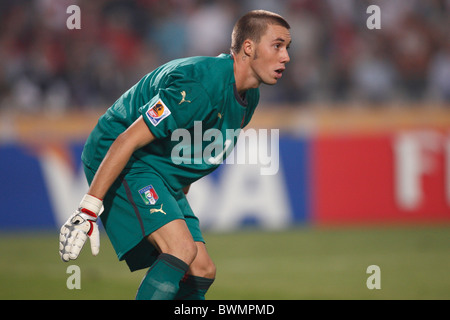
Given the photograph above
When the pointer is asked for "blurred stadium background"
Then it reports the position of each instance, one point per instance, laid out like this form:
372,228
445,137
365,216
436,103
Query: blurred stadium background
364,152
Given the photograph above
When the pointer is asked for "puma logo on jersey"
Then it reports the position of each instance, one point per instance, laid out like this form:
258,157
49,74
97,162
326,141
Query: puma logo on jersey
157,210
183,97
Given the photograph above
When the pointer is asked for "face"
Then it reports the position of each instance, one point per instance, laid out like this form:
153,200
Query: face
270,55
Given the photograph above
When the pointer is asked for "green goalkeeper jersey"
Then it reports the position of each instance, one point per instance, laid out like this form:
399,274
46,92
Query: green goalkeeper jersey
193,109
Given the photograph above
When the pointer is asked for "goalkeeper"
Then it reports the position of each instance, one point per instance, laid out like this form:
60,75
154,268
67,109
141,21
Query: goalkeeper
129,164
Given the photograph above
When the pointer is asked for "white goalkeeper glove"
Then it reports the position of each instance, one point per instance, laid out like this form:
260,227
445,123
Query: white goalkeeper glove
81,225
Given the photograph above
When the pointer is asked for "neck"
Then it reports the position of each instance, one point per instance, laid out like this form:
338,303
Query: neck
243,74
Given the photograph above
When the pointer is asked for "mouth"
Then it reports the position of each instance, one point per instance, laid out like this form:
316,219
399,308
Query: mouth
279,72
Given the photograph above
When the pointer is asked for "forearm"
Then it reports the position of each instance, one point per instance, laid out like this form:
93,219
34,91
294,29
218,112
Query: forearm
120,152
112,165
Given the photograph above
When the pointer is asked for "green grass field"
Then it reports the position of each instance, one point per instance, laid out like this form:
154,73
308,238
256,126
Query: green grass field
302,263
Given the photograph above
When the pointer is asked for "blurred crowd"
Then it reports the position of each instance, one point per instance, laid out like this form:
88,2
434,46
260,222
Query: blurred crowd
334,56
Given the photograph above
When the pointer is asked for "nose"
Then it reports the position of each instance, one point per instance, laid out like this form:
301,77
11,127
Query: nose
285,58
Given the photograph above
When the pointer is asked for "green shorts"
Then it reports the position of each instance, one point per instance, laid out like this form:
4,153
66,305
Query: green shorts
137,204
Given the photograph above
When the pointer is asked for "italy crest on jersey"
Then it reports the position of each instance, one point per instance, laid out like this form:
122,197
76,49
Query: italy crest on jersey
157,112
149,195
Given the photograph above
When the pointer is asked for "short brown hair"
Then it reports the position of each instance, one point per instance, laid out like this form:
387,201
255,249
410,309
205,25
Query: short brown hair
252,26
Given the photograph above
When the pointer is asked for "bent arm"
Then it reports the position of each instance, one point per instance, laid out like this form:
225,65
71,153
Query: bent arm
135,137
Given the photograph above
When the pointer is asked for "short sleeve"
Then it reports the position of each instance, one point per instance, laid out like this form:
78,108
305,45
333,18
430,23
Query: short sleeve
176,106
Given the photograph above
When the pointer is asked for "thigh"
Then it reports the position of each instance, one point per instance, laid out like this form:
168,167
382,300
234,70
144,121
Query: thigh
175,238
140,205
192,221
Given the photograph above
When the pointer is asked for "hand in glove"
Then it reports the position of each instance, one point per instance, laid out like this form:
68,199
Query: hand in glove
81,225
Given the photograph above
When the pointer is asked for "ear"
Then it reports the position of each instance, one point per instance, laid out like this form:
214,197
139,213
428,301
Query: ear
248,47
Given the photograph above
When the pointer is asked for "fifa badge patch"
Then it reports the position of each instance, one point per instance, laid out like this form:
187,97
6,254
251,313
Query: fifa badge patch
149,195
157,112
